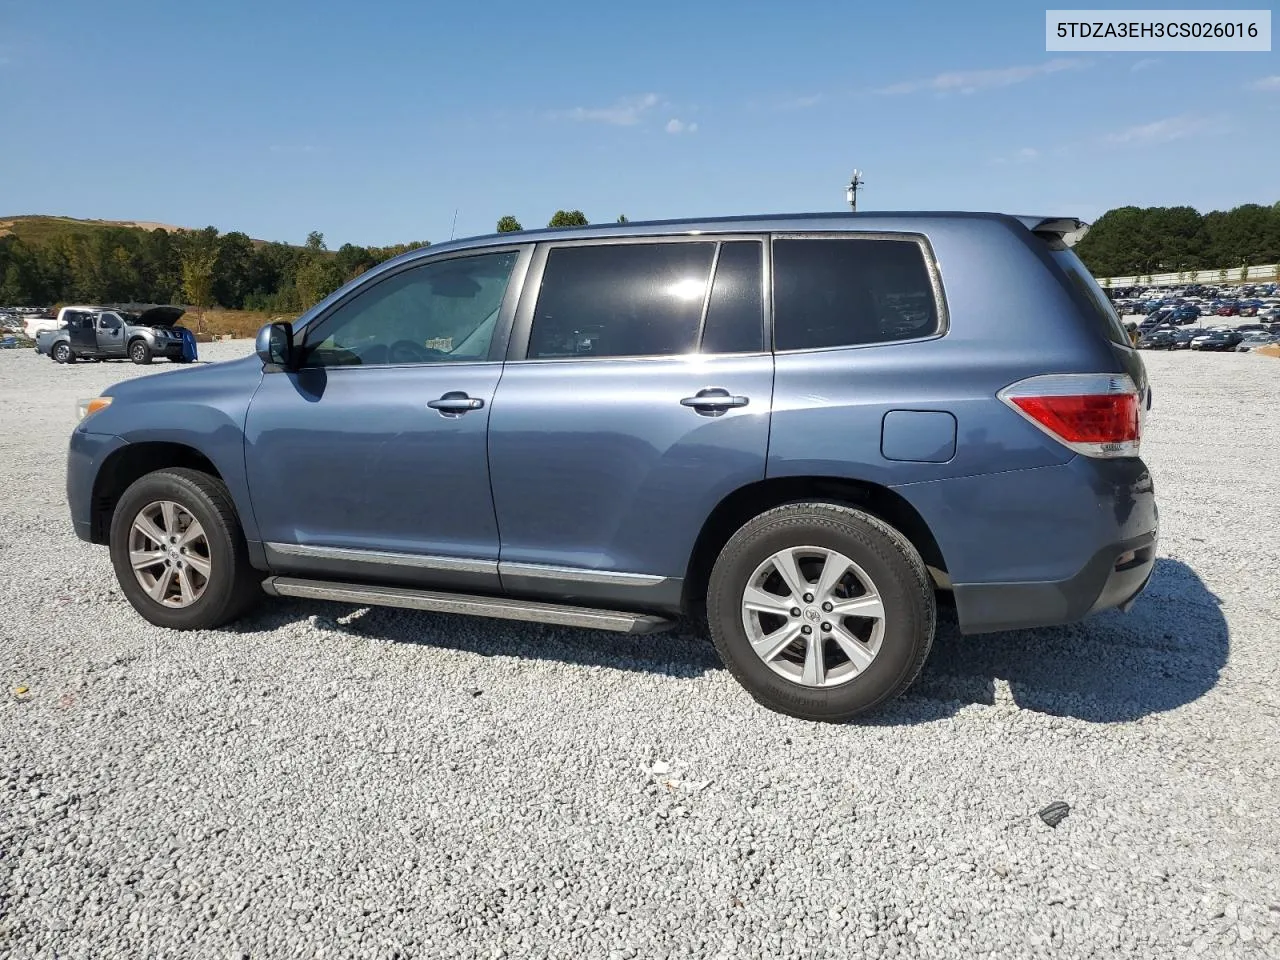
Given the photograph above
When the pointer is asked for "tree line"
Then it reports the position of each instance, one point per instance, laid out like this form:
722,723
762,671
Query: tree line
197,267
1132,241
200,268
203,268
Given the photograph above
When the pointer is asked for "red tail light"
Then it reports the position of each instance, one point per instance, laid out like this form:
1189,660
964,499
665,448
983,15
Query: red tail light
1098,415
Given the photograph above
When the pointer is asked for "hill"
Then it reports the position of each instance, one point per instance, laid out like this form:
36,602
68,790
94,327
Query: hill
35,228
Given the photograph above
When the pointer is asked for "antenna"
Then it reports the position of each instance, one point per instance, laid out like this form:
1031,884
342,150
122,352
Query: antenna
454,228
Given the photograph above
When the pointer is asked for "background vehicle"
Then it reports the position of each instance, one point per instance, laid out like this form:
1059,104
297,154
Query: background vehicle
1217,340
620,425
97,333
1157,340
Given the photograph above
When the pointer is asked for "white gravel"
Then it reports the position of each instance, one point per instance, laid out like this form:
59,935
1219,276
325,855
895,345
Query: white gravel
328,781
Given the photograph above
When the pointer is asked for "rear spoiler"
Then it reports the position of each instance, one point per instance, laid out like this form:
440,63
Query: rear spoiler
1058,232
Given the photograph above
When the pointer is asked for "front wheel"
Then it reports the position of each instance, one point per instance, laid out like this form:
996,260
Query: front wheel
139,352
821,611
179,553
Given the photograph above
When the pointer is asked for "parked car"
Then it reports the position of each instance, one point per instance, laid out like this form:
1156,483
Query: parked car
615,426
1182,339
96,333
1219,340
1254,339
1157,340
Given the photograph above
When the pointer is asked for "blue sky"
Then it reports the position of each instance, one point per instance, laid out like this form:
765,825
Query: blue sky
372,124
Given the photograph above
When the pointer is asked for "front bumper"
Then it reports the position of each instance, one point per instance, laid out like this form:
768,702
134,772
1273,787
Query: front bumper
85,457
169,349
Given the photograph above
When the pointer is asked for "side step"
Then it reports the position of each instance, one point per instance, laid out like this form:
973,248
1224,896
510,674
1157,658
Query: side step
501,607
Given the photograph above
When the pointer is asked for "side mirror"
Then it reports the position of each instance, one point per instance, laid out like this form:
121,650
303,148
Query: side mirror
275,345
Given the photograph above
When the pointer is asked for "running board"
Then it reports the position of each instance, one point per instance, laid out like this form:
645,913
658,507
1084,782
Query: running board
501,607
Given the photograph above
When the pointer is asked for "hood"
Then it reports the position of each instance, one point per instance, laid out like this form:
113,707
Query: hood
158,317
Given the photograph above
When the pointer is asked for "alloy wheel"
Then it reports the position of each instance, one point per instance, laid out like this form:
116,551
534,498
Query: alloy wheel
813,616
169,554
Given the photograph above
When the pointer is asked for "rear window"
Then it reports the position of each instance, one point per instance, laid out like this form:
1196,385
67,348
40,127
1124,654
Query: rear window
1097,306
845,292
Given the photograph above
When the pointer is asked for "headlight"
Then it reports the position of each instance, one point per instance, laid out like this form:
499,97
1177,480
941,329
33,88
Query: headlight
86,408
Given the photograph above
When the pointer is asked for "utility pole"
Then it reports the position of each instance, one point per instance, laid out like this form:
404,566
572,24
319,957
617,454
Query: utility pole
851,191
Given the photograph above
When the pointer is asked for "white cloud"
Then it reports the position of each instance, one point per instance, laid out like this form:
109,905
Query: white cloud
681,126
1144,64
1023,155
1161,131
626,112
1266,83
971,81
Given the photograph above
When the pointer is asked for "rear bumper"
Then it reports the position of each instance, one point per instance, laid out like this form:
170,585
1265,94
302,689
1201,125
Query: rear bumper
1045,546
1115,577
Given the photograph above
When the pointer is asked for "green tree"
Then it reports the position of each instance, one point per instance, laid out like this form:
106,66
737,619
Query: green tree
318,276
231,273
315,241
568,218
509,224
199,259
622,218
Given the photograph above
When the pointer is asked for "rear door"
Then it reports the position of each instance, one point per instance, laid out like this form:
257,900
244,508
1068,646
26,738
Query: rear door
81,332
636,396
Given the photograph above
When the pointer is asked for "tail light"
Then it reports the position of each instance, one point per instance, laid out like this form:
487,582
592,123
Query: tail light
1095,414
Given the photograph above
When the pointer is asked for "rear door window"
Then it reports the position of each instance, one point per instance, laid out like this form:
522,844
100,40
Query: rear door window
621,300
836,292
735,310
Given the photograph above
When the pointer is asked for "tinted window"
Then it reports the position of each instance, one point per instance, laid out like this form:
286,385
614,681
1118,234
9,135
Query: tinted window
621,300
434,313
833,293
1090,294
735,312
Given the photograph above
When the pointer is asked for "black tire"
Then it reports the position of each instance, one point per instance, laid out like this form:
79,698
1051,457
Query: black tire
139,352
61,353
233,586
888,558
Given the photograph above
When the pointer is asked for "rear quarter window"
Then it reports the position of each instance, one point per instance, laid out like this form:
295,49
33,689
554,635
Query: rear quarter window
1096,304
837,292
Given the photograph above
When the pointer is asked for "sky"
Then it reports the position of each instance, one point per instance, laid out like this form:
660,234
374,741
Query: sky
373,124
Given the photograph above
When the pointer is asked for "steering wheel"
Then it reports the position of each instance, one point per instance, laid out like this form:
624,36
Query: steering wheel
406,351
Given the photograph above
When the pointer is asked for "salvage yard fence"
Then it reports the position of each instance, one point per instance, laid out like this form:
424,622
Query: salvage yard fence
1223,275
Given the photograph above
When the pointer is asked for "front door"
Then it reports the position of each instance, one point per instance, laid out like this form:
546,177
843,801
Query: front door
369,461
640,402
110,335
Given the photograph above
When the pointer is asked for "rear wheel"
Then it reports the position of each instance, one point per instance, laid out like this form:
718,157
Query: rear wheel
179,552
139,352
62,353
821,611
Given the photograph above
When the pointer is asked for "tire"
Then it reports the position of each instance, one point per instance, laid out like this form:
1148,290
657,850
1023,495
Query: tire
231,587
139,352
898,642
61,353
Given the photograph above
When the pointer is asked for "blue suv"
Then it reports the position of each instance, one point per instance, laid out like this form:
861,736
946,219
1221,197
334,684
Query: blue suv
800,429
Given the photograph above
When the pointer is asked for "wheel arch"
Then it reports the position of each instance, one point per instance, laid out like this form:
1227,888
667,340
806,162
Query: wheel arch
753,499
128,464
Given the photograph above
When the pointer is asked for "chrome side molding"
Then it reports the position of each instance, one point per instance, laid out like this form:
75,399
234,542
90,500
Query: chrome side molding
422,561
536,571
501,607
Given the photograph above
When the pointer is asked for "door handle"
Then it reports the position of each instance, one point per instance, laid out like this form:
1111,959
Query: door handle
713,401
455,403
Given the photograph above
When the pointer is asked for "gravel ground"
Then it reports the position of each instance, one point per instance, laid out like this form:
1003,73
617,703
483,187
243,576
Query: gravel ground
331,781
